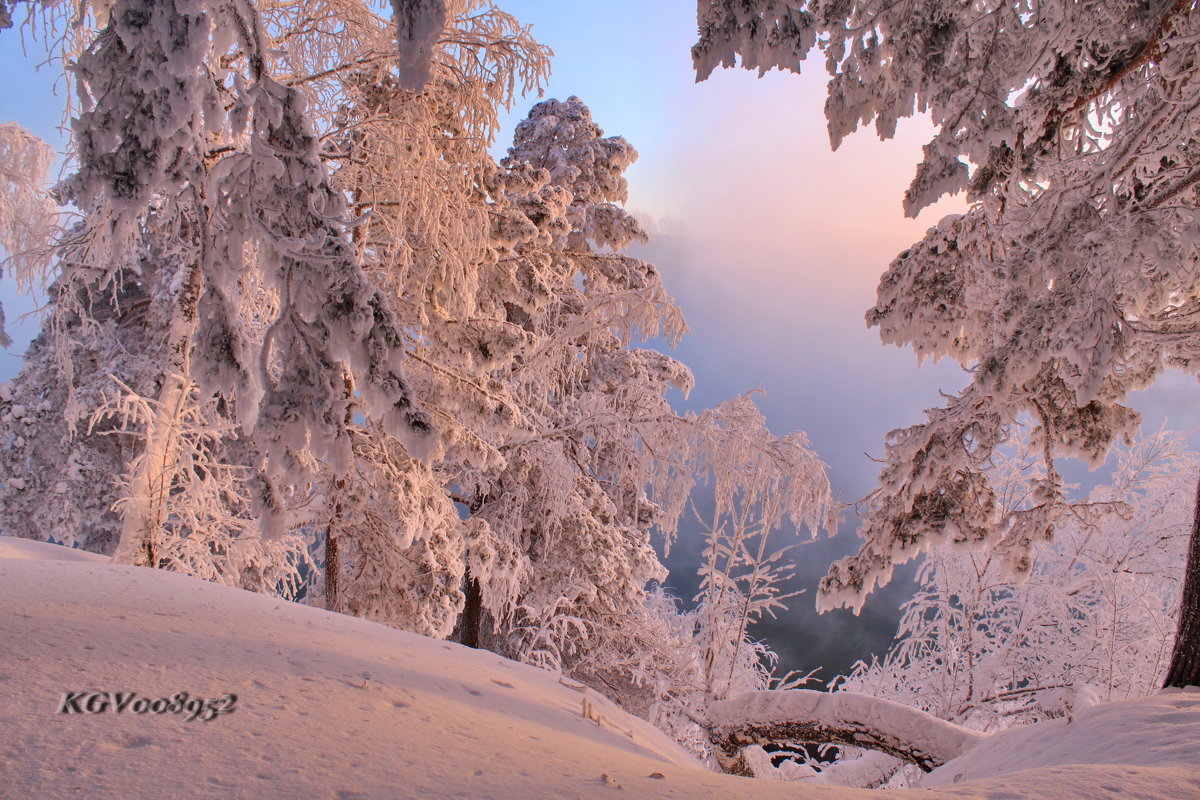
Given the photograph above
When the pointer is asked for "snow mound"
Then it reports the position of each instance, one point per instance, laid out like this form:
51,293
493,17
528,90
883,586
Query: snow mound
12,547
331,707
1158,731
328,706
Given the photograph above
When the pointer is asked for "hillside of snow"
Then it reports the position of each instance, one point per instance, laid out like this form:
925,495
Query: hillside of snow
329,706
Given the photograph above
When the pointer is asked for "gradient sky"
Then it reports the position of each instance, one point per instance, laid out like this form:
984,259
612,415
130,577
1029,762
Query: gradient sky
771,243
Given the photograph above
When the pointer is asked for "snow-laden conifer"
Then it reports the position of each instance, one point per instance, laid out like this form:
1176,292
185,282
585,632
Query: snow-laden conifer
1070,281
201,186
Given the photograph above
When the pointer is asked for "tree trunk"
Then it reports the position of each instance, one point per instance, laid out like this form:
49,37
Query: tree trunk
1185,659
333,560
143,511
144,507
470,623
472,614
337,489
333,568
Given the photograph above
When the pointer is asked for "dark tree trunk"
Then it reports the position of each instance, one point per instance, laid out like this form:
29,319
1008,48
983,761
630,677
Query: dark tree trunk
472,613
333,568
333,559
1185,660
470,621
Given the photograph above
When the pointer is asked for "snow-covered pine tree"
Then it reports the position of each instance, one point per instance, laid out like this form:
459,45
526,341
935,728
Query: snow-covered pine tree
606,461
420,178
1071,280
61,475
576,479
206,213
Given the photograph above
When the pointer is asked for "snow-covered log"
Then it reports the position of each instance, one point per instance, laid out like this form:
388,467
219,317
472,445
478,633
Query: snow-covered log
868,771
800,715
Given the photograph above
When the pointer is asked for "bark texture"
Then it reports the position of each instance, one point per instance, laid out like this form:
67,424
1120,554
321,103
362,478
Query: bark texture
333,571
1185,658
472,614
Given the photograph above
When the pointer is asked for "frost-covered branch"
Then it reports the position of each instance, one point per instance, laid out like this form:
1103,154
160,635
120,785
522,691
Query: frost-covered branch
1091,620
28,216
1071,129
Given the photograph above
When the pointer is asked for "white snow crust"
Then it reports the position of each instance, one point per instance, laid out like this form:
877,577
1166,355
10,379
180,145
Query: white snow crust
1158,731
12,547
335,707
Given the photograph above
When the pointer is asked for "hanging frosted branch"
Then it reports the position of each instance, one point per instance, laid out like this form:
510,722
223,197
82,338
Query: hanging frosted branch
1092,621
28,217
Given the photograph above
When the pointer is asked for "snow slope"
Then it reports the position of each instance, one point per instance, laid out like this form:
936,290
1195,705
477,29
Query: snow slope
27,548
1161,732
335,707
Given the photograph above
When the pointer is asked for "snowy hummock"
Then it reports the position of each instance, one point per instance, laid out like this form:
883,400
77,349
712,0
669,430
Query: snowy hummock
1158,731
331,706
12,547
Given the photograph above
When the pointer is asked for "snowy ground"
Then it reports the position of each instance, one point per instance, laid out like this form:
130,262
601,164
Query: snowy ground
335,707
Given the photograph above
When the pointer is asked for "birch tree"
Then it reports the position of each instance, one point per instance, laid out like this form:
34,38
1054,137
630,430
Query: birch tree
1094,621
27,215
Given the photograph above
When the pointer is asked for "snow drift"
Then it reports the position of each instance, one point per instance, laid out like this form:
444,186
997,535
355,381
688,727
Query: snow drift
330,706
